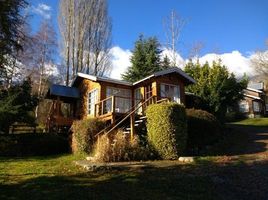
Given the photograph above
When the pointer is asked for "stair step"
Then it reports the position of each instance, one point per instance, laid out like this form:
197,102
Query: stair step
126,132
136,124
139,121
143,117
128,129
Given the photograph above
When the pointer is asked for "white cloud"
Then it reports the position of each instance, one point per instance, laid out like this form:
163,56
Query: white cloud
42,10
234,61
179,60
120,61
44,7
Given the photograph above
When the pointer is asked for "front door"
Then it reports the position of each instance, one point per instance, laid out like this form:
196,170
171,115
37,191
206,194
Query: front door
148,92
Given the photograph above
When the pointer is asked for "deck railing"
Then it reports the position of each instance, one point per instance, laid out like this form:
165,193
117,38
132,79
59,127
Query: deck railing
114,104
131,114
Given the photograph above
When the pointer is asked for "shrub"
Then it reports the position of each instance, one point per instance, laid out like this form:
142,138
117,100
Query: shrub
234,116
119,147
203,128
32,144
84,132
167,129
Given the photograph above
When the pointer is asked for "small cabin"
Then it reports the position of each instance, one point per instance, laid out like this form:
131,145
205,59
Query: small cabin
254,103
110,99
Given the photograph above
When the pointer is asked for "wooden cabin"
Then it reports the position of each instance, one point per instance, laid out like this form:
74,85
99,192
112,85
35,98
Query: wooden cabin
111,99
254,103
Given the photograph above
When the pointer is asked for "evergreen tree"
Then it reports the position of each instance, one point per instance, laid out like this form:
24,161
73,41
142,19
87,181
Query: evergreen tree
145,60
166,62
10,22
16,105
218,88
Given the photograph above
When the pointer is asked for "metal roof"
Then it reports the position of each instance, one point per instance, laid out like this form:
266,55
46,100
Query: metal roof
105,79
156,74
168,71
254,90
63,91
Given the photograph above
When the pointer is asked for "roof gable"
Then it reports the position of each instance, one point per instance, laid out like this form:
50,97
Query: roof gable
168,71
156,74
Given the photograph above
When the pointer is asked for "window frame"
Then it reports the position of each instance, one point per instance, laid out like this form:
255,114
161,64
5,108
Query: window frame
171,85
96,99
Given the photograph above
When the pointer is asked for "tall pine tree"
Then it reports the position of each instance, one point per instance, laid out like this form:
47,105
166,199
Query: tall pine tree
145,60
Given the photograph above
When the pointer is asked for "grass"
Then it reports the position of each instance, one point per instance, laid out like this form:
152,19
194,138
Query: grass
253,122
56,177
226,174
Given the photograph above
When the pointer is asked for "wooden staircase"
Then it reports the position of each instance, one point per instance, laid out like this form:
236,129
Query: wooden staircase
135,120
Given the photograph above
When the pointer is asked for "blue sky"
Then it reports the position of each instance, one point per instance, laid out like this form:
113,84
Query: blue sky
223,26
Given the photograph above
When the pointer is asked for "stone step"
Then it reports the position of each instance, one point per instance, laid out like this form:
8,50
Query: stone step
126,132
139,121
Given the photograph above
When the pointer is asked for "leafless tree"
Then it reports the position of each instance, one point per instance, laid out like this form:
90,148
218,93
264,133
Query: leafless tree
88,45
173,26
65,20
45,45
194,50
260,61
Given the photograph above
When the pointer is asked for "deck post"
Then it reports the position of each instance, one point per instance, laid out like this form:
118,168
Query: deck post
102,108
132,126
113,104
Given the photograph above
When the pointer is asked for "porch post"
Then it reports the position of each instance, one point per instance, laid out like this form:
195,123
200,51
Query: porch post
113,104
132,126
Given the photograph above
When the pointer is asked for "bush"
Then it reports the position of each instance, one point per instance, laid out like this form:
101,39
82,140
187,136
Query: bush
203,128
234,116
32,144
167,129
119,147
84,132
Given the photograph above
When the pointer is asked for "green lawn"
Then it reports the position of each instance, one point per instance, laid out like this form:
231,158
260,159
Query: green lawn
58,178
232,175
253,122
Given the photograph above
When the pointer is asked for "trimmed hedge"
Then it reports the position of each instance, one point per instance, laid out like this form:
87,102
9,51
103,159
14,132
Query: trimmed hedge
29,144
203,128
167,129
83,134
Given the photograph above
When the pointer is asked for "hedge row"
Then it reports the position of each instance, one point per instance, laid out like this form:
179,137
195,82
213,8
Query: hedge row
167,129
32,144
203,128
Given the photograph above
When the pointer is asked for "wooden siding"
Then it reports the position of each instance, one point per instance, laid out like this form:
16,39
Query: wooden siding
85,87
171,79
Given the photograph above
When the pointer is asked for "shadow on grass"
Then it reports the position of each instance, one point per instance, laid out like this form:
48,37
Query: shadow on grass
209,181
33,158
240,140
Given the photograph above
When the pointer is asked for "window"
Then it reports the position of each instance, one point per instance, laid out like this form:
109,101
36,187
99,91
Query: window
138,98
92,100
256,106
122,99
243,107
170,91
